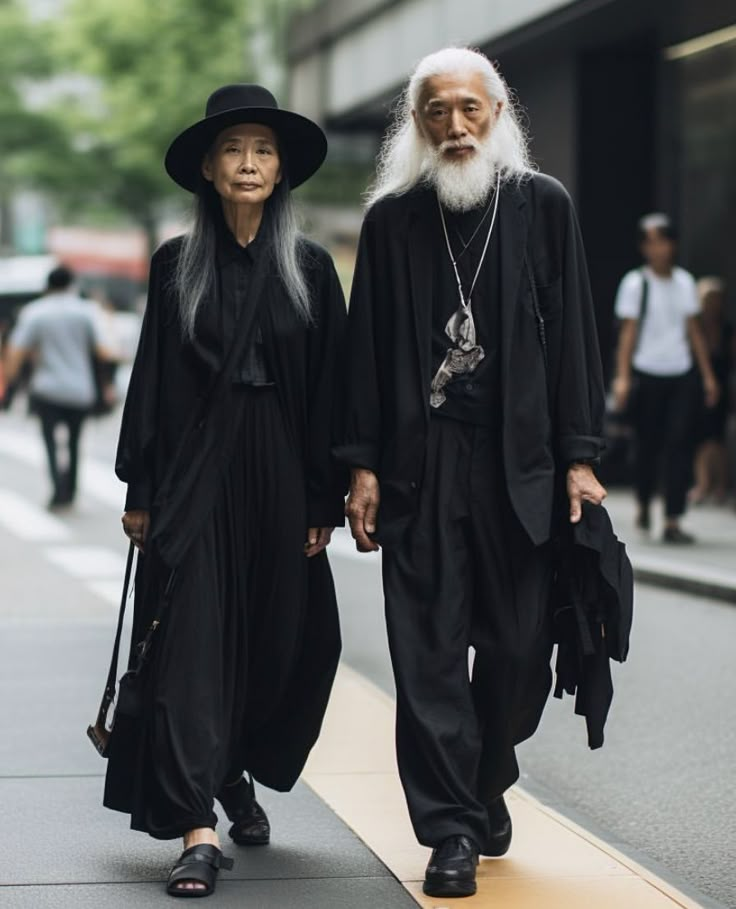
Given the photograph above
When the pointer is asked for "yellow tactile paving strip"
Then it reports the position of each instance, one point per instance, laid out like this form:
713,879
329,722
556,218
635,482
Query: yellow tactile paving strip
552,864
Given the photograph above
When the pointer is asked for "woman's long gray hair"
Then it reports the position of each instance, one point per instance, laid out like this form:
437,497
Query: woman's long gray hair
195,275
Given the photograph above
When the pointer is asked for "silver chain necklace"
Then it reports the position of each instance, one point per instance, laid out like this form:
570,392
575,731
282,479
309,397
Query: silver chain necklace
466,246
465,356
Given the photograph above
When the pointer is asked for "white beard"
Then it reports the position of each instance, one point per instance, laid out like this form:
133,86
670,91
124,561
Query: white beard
464,184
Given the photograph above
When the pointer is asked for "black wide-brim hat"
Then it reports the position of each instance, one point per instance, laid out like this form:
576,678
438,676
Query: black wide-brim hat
301,142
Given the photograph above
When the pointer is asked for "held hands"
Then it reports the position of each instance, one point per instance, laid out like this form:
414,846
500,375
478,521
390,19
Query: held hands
362,508
582,486
135,526
318,538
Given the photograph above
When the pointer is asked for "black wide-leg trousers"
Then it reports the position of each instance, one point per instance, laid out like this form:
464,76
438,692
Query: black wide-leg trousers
666,413
465,575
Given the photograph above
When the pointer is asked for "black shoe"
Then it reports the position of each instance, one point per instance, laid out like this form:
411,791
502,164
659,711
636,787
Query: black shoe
197,865
501,829
675,535
451,869
250,824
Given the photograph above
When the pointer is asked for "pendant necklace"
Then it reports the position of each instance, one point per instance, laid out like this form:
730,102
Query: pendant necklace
465,356
473,235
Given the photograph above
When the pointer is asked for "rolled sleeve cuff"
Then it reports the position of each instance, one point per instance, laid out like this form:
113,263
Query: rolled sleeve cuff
138,496
357,455
577,448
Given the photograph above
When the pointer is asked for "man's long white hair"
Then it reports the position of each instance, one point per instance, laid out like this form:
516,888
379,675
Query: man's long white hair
406,158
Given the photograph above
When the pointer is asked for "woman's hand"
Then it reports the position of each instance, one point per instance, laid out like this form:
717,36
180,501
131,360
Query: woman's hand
135,525
583,486
362,508
318,538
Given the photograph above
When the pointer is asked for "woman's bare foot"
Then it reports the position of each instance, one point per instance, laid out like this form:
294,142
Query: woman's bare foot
196,838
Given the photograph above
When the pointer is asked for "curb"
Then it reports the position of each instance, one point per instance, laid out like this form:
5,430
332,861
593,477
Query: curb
714,587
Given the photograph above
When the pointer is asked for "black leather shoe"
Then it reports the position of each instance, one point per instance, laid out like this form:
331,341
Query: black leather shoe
250,824
451,869
501,830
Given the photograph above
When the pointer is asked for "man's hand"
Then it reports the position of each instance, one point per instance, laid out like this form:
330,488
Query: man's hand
135,525
582,486
362,508
318,538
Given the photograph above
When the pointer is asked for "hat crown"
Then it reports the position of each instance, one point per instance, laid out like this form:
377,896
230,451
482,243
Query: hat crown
232,97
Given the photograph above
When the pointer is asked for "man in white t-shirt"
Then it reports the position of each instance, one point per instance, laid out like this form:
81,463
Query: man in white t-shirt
660,344
61,332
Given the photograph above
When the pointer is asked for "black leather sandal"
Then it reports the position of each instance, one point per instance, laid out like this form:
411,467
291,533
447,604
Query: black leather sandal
250,824
199,865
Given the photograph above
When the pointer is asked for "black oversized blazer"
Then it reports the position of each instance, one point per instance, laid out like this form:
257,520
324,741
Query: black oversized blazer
174,443
553,401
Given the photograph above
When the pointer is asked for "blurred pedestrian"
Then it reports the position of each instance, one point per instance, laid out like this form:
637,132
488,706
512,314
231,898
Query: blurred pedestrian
474,384
62,336
660,339
232,492
711,457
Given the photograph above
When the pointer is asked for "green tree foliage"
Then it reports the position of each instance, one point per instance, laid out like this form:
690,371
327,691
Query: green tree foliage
23,57
150,68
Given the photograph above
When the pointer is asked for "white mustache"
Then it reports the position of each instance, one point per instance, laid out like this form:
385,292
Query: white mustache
450,145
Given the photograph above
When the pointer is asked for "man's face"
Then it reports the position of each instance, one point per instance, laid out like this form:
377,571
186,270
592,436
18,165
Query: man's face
455,114
657,250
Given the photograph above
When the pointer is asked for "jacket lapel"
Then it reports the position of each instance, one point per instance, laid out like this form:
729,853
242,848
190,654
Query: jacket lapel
514,228
420,224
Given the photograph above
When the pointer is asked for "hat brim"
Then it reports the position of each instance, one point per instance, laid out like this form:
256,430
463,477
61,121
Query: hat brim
302,141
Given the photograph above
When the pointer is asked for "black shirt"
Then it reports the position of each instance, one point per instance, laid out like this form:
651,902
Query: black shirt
235,268
475,397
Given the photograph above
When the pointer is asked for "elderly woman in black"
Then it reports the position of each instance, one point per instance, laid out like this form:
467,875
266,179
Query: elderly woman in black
232,493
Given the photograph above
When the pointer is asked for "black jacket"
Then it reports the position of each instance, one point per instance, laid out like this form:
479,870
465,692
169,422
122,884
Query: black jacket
552,412
592,601
173,445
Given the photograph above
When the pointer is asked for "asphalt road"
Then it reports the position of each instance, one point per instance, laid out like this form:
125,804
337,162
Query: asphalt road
663,788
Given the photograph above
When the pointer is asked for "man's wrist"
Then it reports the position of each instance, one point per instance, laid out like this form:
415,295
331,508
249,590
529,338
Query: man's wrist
585,462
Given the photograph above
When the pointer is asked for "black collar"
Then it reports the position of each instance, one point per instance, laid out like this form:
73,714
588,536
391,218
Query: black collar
228,248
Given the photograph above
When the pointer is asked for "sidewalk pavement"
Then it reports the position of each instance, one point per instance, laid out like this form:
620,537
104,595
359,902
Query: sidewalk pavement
705,568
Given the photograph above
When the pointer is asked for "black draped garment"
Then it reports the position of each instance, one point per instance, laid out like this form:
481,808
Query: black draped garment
243,662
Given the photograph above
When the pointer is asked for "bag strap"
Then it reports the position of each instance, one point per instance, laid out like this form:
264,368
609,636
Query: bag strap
217,385
112,676
643,309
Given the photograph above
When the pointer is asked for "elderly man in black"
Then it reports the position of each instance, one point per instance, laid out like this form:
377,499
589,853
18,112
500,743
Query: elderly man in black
474,393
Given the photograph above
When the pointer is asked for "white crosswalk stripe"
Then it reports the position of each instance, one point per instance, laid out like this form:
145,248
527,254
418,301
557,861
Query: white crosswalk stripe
29,522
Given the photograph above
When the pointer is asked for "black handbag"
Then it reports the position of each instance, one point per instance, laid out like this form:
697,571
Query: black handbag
129,690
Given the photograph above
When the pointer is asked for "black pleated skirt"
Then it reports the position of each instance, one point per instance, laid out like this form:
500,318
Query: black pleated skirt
240,673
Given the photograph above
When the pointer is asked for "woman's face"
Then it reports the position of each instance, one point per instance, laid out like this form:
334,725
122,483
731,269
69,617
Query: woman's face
243,164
